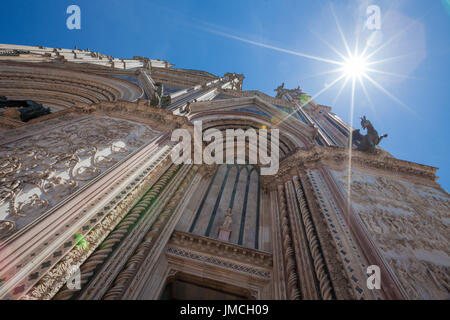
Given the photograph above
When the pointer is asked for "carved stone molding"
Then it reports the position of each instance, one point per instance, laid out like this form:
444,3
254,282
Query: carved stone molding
107,273
186,253
325,243
320,268
27,79
316,156
138,111
127,274
221,265
288,251
221,249
102,253
181,77
306,277
56,277
261,95
207,171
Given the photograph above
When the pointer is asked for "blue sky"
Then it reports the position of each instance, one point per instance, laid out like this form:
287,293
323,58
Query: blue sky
233,36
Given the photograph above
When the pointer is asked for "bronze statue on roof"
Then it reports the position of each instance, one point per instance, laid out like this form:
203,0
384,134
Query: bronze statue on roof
368,142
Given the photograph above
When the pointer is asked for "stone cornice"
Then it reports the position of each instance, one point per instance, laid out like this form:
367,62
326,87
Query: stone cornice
261,95
140,110
180,76
221,249
313,156
79,57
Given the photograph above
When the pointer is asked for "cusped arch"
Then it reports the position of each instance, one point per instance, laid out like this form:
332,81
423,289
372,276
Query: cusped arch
222,115
289,140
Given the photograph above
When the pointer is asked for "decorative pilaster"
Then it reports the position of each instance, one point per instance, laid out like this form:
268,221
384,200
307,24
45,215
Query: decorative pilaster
339,280
127,274
146,173
279,282
288,251
88,268
305,267
320,268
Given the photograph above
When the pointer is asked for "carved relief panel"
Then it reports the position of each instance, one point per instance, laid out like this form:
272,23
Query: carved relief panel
409,224
39,171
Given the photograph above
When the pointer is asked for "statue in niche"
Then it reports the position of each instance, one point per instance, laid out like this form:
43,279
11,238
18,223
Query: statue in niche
24,110
227,222
368,142
225,228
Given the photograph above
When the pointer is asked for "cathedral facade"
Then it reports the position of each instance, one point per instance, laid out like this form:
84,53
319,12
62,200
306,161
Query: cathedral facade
92,205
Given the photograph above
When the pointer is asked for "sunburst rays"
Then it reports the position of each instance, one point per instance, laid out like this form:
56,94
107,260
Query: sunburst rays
353,63
355,66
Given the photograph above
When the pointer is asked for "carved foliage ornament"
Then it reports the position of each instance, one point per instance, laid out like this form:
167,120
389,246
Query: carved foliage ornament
6,227
409,224
38,172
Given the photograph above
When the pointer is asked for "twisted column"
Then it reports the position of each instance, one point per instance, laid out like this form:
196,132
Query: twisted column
326,288
309,287
87,269
129,271
288,251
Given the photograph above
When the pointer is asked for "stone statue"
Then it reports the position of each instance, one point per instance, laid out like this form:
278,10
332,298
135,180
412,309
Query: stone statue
368,142
225,228
28,109
294,93
228,221
279,90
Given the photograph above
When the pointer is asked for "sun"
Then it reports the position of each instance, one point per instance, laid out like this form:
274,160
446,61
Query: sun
355,66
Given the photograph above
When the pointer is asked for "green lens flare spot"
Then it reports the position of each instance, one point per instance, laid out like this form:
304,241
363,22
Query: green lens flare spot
304,98
81,241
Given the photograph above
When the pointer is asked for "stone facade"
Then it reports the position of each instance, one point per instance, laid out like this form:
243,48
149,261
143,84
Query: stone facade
90,190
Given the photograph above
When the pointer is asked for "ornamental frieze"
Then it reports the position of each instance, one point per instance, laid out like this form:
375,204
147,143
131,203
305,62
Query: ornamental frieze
226,255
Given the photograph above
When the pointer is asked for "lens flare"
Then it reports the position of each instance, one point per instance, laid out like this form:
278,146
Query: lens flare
355,66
